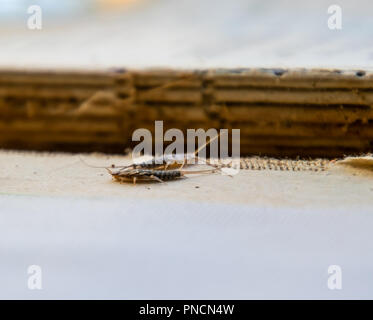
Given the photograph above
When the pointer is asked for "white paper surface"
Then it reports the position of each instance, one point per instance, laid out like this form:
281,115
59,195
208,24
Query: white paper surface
126,249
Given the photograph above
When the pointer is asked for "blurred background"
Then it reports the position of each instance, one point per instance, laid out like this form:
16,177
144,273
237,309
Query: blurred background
186,34
14,9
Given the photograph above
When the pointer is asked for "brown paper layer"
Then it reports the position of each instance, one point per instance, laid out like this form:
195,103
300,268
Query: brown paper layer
325,113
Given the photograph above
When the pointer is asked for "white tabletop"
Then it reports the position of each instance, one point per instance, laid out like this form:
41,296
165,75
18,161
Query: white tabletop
260,234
